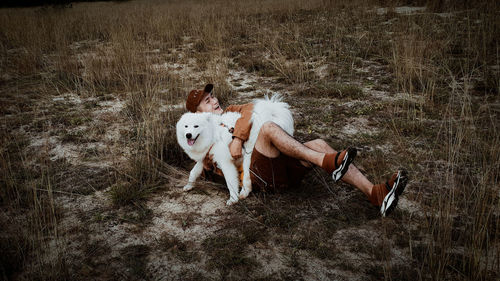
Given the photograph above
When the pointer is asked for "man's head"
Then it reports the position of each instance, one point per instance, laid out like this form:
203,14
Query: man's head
203,101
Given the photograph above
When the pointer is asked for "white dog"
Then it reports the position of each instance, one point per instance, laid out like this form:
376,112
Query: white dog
200,134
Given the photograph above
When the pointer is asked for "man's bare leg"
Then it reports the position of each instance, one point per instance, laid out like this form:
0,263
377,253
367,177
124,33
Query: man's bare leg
272,140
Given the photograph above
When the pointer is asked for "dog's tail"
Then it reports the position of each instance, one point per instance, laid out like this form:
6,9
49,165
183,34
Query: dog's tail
272,109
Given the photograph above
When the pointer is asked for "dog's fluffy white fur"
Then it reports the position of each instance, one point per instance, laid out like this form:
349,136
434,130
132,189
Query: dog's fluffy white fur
202,133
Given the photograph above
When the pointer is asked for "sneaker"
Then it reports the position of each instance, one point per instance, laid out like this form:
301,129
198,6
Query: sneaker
396,185
342,167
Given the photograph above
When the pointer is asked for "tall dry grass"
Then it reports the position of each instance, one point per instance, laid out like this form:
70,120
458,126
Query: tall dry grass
439,62
444,67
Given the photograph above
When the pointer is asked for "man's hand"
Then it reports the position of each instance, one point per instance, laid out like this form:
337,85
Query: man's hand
235,148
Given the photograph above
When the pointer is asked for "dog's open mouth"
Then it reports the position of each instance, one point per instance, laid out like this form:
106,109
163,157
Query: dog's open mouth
192,141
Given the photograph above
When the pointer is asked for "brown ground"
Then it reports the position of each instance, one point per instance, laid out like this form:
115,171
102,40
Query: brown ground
76,152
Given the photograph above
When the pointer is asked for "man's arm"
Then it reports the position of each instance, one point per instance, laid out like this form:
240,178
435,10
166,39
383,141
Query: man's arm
241,128
235,147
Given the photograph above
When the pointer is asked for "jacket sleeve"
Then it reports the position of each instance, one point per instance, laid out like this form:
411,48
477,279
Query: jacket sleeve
243,125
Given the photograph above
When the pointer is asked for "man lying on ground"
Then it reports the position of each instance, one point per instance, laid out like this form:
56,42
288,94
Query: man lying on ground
279,161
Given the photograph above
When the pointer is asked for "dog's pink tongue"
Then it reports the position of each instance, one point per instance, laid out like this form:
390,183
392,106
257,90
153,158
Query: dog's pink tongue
191,141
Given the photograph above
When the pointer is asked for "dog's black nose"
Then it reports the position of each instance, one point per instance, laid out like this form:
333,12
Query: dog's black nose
188,135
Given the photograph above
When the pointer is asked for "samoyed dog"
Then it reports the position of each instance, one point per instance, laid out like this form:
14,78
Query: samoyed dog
200,134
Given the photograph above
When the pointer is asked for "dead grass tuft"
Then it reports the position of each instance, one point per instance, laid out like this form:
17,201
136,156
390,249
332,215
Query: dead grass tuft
333,90
228,254
178,248
135,259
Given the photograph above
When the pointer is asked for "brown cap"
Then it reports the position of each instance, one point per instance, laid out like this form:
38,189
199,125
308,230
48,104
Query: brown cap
195,96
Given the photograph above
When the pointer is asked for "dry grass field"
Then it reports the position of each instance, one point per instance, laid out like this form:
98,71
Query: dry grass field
91,173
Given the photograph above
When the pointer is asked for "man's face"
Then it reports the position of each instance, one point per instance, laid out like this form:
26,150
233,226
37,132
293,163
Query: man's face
209,103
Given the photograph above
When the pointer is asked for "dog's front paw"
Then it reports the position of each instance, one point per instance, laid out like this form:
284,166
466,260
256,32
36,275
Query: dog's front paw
231,201
188,187
244,193
247,188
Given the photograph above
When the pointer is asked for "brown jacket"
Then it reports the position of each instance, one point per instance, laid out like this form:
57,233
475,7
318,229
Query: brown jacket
241,130
242,126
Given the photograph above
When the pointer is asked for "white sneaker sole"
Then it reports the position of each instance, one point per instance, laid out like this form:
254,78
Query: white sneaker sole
392,198
338,173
